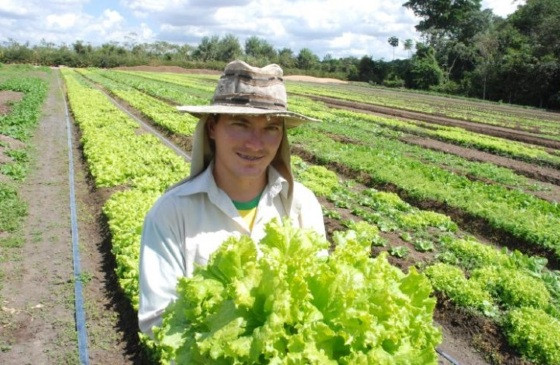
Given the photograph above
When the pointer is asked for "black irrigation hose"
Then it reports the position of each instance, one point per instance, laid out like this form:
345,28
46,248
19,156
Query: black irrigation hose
447,357
78,297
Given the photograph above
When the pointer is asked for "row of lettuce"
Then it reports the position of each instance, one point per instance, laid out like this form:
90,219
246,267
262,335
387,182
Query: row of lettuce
16,129
483,279
137,165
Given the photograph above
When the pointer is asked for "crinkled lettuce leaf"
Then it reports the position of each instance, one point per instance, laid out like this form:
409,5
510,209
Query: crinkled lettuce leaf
292,305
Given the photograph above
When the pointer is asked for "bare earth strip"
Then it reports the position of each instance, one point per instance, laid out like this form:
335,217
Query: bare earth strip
38,290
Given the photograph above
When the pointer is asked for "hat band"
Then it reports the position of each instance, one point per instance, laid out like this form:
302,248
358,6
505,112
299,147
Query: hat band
249,100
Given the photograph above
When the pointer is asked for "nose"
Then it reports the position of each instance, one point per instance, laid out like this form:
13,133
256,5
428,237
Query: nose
255,139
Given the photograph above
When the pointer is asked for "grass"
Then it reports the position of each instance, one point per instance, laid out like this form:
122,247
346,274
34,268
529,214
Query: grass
13,241
12,209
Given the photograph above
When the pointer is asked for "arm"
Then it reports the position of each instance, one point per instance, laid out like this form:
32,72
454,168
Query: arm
161,264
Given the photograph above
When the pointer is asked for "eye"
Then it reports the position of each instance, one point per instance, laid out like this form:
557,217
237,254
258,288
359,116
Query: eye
274,127
238,123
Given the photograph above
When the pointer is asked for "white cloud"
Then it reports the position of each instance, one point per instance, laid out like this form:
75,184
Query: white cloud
13,8
339,28
111,19
62,21
502,7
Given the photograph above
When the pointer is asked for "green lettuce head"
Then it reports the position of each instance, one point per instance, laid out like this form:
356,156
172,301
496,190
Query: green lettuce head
290,304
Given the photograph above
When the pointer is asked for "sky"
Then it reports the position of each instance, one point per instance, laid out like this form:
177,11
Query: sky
327,27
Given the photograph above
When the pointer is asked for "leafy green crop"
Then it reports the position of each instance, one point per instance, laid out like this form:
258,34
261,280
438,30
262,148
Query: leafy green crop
451,280
291,305
535,333
513,287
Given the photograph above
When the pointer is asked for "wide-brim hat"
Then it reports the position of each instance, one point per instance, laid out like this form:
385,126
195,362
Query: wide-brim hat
246,90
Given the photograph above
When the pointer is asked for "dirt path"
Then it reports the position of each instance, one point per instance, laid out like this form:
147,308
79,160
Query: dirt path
495,131
38,311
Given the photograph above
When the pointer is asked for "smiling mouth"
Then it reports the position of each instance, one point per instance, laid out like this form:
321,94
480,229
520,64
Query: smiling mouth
248,157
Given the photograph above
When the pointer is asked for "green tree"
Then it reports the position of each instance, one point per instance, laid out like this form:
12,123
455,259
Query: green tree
528,66
208,49
486,45
408,45
15,52
286,58
372,71
229,48
448,18
306,59
424,70
394,42
262,51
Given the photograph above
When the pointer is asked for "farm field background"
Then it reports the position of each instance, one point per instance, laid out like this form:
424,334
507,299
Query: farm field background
466,191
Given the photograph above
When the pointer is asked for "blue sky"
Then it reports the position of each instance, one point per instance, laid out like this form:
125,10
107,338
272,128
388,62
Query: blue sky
338,28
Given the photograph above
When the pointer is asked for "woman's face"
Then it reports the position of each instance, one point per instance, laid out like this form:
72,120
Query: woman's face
245,145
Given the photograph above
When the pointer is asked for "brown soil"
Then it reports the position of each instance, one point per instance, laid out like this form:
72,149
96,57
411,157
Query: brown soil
507,133
10,142
476,332
7,98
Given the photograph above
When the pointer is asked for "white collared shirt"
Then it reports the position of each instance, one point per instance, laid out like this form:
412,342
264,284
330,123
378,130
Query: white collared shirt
189,222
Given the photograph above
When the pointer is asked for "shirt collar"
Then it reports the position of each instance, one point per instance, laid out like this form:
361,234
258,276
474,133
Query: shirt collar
205,183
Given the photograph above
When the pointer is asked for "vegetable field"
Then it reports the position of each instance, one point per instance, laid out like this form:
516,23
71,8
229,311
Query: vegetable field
456,197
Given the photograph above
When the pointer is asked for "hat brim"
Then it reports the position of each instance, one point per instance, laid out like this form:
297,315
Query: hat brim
291,119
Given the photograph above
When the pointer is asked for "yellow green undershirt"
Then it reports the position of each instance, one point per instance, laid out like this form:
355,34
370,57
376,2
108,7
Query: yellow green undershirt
248,210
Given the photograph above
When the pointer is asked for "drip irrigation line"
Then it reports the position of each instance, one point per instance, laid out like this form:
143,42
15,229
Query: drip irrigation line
78,297
447,357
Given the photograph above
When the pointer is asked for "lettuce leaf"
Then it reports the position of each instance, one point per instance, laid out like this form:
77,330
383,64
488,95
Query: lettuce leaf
291,305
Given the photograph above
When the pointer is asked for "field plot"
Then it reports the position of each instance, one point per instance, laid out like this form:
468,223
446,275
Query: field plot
477,213
533,121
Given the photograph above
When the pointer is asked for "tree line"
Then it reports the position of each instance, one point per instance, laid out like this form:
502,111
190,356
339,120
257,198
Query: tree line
464,50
